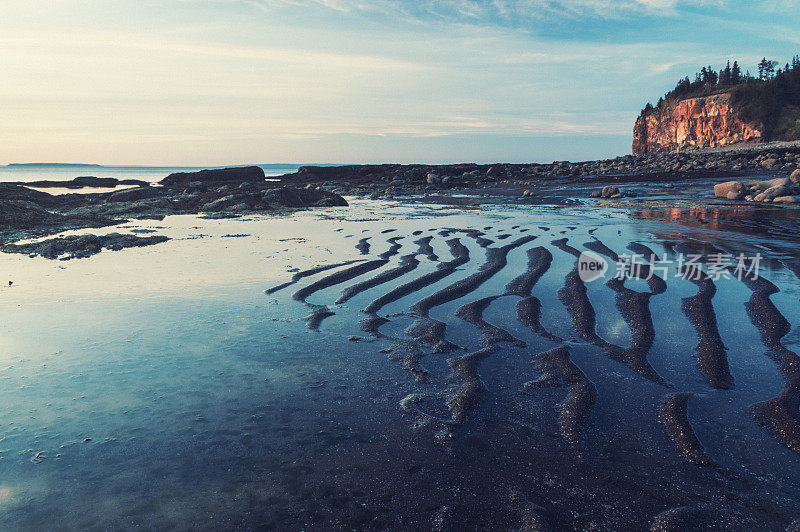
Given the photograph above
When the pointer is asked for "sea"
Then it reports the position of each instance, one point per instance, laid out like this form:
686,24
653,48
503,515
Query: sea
65,172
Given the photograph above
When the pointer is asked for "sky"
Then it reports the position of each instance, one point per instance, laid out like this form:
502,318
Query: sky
216,82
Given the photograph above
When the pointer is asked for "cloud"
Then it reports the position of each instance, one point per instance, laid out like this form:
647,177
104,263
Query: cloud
503,10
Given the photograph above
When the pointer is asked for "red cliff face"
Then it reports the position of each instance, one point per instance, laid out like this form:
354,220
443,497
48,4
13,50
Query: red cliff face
695,123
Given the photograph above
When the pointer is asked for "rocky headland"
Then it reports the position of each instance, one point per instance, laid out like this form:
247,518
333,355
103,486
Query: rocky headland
723,108
704,122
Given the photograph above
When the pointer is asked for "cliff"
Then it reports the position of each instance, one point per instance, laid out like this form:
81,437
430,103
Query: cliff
693,123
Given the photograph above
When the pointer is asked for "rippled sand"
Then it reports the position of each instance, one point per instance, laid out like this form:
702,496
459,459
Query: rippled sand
390,366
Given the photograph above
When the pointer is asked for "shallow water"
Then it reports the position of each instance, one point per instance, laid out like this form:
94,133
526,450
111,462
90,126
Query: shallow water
161,387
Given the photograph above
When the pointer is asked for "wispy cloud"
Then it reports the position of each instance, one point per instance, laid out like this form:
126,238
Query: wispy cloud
488,10
221,81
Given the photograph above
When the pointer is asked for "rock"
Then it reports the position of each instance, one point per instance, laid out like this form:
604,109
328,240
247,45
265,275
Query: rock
220,204
81,246
85,181
91,181
785,199
432,179
795,177
709,121
299,198
721,190
237,174
609,191
768,163
133,194
777,190
748,198
779,181
596,194
734,195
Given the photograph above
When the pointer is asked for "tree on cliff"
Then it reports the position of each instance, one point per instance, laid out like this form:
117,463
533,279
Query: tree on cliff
766,69
736,73
770,101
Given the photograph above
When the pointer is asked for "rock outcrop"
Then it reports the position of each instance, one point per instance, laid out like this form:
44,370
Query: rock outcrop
694,123
238,174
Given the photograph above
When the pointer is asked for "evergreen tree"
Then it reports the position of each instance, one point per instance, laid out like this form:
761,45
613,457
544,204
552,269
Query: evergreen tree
736,73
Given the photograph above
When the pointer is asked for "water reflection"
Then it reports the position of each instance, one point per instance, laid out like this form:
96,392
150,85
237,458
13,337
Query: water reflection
162,388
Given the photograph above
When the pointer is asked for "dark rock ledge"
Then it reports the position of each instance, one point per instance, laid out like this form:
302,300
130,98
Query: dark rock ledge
27,213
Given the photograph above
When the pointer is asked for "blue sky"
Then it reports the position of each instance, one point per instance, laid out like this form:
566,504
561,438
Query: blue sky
213,82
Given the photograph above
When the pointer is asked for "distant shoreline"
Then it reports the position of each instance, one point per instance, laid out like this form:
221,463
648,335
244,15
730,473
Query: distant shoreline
68,165
90,165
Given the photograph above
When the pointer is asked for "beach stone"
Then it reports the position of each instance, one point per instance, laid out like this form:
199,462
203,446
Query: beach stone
785,199
749,197
432,179
777,190
795,177
596,194
768,163
721,190
734,195
609,191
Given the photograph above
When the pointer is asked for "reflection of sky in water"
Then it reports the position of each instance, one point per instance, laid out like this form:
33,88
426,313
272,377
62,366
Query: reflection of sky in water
161,386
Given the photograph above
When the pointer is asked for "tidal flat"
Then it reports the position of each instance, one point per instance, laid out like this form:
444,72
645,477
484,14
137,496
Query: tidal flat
406,365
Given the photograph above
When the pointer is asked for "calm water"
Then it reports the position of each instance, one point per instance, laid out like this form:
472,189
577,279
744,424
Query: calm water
144,173
162,388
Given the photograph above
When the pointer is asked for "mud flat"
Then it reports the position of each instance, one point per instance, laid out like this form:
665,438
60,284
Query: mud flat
673,416
712,357
335,429
781,415
558,370
431,331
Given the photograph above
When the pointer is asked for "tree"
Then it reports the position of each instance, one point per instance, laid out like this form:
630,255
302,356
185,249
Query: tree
766,69
725,74
736,73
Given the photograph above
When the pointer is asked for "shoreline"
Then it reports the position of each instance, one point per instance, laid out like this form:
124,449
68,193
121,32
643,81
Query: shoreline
651,180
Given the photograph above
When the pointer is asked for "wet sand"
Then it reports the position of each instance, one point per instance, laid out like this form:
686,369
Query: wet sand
455,373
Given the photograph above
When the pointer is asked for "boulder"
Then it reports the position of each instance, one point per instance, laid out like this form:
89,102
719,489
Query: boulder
721,190
298,198
785,199
220,203
768,163
609,191
776,191
133,194
795,177
236,174
734,195
778,181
